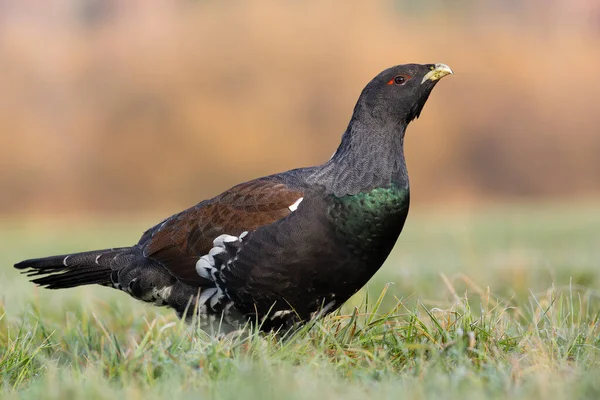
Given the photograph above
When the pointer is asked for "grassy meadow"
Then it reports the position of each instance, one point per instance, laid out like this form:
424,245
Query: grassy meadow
496,303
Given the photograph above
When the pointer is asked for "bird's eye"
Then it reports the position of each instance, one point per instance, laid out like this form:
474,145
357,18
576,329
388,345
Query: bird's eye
399,80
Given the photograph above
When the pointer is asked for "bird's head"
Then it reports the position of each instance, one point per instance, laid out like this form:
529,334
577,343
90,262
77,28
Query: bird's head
398,94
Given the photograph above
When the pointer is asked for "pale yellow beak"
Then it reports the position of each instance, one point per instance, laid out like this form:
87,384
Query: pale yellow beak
438,72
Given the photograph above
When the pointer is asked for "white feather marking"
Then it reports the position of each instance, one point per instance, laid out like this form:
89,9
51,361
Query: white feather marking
222,239
326,308
229,239
204,266
205,295
159,296
216,298
294,206
280,313
65,260
131,283
227,313
165,292
216,250
207,267
98,259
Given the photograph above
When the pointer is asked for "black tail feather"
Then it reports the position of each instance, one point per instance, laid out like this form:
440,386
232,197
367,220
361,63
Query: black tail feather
70,270
123,268
70,279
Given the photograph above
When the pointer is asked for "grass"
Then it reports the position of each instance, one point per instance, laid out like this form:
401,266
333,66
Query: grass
495,304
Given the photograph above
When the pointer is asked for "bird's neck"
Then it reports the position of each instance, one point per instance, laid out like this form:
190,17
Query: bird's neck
370,156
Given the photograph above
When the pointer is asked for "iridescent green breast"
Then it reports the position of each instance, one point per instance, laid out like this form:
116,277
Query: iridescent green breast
370,222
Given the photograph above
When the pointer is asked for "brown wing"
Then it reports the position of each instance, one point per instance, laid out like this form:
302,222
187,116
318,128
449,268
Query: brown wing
180,240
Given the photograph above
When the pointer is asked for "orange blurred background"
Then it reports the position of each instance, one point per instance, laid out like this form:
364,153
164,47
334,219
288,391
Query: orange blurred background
114,106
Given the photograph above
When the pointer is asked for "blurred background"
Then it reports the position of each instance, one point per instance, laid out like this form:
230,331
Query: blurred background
115,114
114,107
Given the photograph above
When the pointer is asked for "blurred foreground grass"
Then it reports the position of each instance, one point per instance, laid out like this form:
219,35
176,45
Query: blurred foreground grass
497,303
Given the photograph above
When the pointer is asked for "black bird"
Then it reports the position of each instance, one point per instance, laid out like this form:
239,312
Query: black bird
281,248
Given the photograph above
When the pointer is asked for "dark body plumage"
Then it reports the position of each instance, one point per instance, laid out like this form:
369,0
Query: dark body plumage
281,248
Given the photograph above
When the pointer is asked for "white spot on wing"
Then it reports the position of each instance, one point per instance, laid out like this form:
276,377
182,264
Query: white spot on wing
294,206
65,260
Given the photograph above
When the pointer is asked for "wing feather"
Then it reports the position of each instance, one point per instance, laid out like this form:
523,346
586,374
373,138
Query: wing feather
179,241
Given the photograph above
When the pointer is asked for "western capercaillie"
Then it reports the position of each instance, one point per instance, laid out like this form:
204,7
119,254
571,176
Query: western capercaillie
281,248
